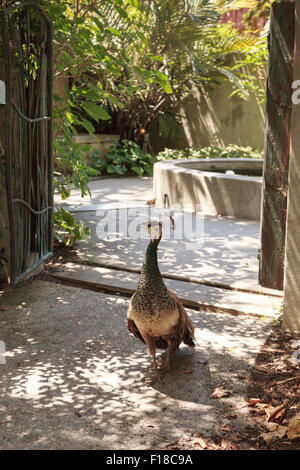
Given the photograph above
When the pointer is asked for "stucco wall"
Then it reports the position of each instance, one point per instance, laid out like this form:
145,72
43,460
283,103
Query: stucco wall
218,119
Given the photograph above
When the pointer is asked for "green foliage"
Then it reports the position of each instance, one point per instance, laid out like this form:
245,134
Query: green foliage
71,168
231,151
128,63
67,230
96,45
123,158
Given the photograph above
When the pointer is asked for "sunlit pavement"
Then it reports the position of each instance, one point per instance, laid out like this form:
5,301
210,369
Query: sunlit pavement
74,377
221,250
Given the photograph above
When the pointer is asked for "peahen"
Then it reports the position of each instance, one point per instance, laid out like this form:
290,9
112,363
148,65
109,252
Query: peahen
155,314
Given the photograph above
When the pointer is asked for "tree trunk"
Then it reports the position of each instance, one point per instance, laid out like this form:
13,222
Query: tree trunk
277,144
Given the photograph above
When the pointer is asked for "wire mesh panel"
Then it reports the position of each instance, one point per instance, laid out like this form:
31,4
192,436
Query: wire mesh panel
27,42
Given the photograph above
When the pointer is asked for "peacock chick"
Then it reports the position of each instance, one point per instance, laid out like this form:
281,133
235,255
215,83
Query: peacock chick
155,314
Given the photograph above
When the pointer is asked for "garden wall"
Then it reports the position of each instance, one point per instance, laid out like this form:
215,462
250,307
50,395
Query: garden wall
218,119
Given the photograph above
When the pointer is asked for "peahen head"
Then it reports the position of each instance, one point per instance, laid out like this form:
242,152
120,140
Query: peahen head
154,229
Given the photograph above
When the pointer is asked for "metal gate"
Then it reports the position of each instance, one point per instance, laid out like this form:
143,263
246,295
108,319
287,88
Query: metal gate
27,42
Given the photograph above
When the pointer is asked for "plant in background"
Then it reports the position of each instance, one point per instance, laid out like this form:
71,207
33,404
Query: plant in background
67,230
93,45
127,64
212,151
195,52
123,158
71,168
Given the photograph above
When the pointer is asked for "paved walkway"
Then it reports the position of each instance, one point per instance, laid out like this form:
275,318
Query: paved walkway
74,377
225,250
109,190
215,251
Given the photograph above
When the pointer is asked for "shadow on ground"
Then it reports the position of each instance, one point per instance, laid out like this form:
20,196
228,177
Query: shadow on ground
225,250
75,379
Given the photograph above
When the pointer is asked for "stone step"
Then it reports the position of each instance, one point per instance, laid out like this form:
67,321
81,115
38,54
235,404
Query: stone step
191,294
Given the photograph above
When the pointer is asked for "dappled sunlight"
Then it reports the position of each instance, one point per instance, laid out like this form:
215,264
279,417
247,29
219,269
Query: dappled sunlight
76,374
107,190
227,253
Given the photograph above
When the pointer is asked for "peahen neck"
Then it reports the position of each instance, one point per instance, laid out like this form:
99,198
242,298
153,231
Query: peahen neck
151,277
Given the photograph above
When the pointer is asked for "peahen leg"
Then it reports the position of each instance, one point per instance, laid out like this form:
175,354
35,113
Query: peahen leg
156,373
150,341
168,365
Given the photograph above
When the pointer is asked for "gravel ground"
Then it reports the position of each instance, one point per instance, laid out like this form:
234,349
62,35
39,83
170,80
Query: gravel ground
74,378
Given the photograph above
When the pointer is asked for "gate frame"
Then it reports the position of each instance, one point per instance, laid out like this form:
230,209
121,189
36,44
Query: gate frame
5,12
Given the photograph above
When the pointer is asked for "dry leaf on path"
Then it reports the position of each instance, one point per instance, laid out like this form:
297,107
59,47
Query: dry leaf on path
253,401
151,202
219,392
259,408
279,433
202,443
226,445
188,371
267,437
294,427
271,426
275,414
226,427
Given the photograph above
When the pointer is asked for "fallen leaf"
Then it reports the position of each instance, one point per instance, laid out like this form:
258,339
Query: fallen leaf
188,371
259,408
202,443
3,309
225,445
279,433
274,414
267,437
219,392
294,427
253,401
226,427
151,202
271,426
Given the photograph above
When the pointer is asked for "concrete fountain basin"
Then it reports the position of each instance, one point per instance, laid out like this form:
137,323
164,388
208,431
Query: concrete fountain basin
227,187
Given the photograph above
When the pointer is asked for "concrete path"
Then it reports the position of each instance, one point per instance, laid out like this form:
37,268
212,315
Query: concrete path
191,294
224,250
218,251
108,190
74,377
